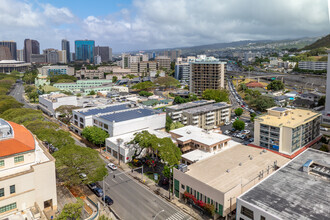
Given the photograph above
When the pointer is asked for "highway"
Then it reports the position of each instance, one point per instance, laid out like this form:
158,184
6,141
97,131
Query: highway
132,201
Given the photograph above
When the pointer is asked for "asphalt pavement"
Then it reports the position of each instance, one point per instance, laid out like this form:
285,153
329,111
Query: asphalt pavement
17,92
132,201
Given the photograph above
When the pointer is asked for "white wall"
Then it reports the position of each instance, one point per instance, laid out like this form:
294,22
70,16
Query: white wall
257,212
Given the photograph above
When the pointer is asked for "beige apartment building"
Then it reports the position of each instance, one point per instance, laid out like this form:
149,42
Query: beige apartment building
286,130
221,177
27,174
144,66
206,73
164,62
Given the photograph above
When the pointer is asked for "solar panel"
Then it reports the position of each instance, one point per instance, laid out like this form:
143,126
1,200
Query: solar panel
279,109
128,115
108,109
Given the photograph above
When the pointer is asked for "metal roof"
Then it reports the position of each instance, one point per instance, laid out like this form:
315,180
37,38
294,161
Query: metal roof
102,110
129,115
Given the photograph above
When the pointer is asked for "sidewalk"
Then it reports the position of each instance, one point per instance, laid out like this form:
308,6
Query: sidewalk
155,188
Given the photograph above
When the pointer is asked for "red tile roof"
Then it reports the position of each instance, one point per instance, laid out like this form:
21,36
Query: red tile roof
254,84
22,141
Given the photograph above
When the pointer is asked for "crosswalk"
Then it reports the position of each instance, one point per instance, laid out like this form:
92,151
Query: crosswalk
178,216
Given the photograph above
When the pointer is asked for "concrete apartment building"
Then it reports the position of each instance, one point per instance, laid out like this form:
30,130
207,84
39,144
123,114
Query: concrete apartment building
298,190
206,73
164,62
48,103
326,114
175,111
20,55
38,58
220,178
57,70
127,59
128,150
52,56
62,56
207,116
84,73
103,52
313,65
286,130
119,118
27,174
144,67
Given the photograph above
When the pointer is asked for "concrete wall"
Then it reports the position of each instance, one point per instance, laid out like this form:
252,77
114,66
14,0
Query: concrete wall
257,212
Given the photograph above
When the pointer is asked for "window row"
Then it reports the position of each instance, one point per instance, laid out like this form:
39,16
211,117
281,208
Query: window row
12,189
17,159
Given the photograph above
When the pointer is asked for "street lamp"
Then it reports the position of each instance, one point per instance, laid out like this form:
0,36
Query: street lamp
159,213
119,141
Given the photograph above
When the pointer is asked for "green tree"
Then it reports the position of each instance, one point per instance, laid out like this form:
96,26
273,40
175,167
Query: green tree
95,135
167,171
169,121
239,125
145,93
114,79
65,112
29,77
143,85
275,85
263,102
92,92
10,103
103,217
33,95
38,125
217,95
252,116
58,138
176,125
238,111
22,115
167,81
72,211
321,101
179,100
73,160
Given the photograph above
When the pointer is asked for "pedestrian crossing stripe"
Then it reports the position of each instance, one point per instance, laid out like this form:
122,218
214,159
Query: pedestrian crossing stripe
177,216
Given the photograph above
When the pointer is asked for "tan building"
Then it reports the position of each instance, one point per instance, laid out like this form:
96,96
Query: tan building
84,73
208,73
220,178
164,62
27,174
286,130
62,57
144,67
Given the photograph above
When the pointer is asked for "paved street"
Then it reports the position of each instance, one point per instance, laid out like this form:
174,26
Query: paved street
134,201
18,92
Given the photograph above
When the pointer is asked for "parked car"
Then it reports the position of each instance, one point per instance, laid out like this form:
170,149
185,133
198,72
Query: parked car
82,176
107,200
227,132
98,191
246,124
92,186
247,131
112,166
251,139
246,142
227,123
323,129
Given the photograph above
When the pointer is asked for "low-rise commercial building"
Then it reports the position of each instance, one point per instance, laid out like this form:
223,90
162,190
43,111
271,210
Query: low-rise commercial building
298,190
219,179
41,80
313,65
117,119
84,73
7,66
56,70
27,174
286,130
48,103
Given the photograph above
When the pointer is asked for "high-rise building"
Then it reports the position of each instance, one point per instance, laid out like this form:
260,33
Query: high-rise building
164,61
206,73
12,48
30,47
51,56
66,47
38,58
84,50
73,57
103,52
5,53
62,56
20,55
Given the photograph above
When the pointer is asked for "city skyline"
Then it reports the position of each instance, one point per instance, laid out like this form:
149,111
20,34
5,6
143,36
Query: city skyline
145,24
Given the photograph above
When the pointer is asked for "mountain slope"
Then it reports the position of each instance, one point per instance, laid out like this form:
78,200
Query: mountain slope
323,42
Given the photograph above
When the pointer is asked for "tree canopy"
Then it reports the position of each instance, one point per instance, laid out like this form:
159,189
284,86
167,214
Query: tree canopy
263,102
176,125
22,115
145,93
8,102
180,100
143,85
73,160
239,125
72,211
217,95
95,135
275,85
238,111
66,112
167,81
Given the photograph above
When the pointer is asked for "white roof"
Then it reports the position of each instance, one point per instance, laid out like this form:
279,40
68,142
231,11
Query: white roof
200,135
10,62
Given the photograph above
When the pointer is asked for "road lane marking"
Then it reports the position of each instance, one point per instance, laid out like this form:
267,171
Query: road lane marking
177,216
120,178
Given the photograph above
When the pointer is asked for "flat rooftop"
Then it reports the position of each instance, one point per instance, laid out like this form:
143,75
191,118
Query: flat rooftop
290,117
207,108
291,193
235,159
190,104
199,135
129,114
104,109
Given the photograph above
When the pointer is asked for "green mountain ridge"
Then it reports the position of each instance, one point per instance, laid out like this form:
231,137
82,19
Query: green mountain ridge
323,42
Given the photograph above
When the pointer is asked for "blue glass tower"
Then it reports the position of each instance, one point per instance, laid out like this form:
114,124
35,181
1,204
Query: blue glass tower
85,50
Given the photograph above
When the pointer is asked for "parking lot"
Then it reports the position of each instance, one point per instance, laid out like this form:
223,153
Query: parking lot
233,134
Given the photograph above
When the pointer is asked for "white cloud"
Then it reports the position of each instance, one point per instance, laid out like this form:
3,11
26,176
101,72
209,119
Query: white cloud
172,23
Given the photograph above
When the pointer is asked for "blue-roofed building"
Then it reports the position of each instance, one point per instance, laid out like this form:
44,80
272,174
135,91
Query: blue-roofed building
119,118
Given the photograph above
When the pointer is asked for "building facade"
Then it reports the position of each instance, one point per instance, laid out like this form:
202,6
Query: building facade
62,56
48,103
30,47
7,66
103,52
84,50
82,84
56,70
66,47
164,62
20,55
182,72
12,49
208,73
144,67
301,191
286,130
312,65
51,55
38,58
27,173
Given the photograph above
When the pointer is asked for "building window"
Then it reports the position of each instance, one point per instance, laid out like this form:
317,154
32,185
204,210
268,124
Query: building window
18,159
247,212
12,189
2,163
8,207
2,192
182,186
262,218
106,126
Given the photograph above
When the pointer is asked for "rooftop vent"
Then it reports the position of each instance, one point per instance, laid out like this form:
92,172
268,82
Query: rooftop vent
227,170
240,164
300,115
188,132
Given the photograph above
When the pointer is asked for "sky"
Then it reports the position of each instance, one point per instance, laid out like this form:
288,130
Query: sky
127,25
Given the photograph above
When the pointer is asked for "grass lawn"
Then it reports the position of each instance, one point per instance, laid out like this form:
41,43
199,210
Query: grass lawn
48,89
